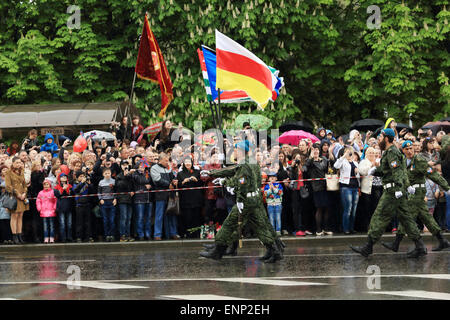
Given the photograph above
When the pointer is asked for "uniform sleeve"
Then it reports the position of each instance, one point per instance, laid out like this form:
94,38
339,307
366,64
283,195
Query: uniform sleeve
397,167
227,172
437,178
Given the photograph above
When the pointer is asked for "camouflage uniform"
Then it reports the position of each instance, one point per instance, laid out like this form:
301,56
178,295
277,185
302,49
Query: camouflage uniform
246,181
395,178
418,170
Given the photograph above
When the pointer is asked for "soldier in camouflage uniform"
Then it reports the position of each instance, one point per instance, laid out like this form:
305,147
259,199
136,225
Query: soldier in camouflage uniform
418,170
395,182
244,180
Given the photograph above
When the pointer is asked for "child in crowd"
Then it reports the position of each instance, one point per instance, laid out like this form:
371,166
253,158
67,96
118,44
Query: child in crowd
107,203
82,189
46,206
64,207
273,192
50,145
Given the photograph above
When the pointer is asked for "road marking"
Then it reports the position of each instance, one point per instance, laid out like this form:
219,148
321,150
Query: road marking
46,261
431,276
269,282
202,297
8,299
328,255
104,285
415,294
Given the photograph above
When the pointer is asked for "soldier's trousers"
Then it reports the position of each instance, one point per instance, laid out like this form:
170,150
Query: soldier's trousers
387,207
417,208
251,216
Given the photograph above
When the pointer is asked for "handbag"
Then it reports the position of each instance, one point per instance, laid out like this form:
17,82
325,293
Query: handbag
304,192
332,182
10,202
173,205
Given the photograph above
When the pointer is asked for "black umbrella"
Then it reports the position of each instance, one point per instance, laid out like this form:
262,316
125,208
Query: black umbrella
445,119
367,124
296,125
401,126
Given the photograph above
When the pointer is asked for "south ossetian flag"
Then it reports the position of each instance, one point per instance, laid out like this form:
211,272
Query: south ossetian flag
239,69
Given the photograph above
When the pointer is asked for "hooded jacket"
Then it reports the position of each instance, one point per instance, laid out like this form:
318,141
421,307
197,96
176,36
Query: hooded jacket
50,147
63,204
46,203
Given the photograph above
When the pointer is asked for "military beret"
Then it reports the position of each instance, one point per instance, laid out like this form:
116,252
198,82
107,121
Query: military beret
407,144
388,132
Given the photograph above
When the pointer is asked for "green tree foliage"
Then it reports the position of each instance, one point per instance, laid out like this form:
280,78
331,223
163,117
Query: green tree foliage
336,69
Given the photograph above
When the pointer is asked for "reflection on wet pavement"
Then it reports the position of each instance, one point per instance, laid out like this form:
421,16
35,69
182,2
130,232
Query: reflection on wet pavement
310,270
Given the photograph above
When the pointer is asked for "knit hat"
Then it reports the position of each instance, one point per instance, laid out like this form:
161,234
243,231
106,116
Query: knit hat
46,180
133,144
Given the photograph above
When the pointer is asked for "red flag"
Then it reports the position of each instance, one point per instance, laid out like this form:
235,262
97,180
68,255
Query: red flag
150,65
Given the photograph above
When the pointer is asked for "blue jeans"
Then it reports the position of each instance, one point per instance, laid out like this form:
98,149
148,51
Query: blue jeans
49,227
447,214
275,216
349,199
143,218
171,225
108,211
125,219
160,207
65,220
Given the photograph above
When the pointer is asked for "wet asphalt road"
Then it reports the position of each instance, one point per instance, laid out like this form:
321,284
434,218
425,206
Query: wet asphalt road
312,268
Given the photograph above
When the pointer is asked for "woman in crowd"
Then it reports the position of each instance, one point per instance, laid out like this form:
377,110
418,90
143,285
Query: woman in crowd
298,192
348,169
191,201
317,167
429,151
15,185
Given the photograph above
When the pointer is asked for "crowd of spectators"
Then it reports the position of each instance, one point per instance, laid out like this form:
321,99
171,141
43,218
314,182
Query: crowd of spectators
119,190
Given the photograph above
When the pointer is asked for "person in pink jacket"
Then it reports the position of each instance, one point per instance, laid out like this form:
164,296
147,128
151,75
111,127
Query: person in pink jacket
46,205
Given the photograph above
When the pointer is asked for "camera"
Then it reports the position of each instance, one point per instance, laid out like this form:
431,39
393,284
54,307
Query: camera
297,162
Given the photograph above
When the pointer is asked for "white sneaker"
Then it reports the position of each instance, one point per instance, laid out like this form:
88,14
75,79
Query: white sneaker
328,233
319,233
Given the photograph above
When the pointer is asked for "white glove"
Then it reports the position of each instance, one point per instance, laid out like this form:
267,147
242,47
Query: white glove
372,171
230,190
411,190
398,194
240,206
219,181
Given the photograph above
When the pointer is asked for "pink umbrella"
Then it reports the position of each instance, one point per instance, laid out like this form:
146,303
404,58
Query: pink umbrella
293,137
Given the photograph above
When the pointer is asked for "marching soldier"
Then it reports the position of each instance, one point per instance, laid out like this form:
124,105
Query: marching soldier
392,168
243,180
418,170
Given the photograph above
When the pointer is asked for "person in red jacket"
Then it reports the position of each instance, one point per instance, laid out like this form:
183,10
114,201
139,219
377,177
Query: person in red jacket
46,205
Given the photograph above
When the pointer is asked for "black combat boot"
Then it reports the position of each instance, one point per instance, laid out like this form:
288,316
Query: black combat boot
232,249
418,251
443,243
280,244
216,253
394,244
275,254
209,246
365,250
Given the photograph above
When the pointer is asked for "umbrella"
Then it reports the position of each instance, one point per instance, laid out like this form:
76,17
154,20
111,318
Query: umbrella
445,119
401,126
97,135
257,121
367,124
293,137
207,139
437,126
153,130
296,125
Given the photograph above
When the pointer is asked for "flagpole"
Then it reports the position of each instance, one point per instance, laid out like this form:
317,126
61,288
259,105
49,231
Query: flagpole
219,113
213,113
131,94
